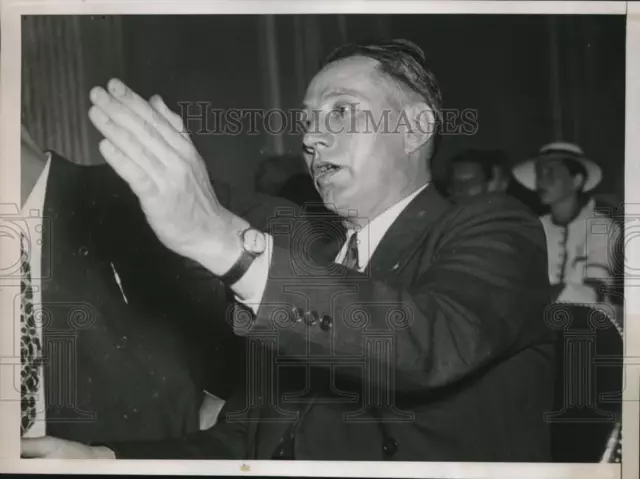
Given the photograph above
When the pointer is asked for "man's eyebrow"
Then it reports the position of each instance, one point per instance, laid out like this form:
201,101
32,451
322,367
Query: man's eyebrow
335,93
342,92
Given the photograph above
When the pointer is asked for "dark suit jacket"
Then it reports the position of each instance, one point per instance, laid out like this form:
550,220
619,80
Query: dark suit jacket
439,352
125,370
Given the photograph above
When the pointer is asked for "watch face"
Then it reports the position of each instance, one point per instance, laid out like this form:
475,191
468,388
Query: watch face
254,241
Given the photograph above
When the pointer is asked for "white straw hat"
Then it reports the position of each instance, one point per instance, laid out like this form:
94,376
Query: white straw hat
525,172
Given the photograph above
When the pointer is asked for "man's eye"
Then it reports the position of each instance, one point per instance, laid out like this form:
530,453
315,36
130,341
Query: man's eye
341,109
305,121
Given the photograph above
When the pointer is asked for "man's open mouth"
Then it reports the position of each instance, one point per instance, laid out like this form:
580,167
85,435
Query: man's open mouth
325,171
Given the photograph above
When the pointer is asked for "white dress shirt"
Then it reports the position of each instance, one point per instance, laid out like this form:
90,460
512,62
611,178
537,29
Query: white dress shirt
581,251
34,207
371,234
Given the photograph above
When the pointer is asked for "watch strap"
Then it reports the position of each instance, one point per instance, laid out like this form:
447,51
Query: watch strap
239,268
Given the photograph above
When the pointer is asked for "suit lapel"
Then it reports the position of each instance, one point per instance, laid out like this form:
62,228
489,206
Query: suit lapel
407,232
401,239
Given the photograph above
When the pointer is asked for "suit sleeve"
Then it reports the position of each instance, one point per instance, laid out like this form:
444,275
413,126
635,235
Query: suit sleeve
228,439
480,296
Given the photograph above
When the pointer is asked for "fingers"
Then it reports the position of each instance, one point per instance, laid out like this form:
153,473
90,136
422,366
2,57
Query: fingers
163,124
140,182
126,129
134,102
36,447
184,146
173,118
128,143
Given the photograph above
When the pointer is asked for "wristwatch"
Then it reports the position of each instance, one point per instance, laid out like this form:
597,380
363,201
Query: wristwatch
254,243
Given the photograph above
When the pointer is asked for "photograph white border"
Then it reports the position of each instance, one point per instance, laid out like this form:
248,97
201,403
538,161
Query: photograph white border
10,68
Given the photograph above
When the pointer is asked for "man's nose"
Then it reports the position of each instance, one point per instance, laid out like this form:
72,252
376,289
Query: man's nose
315,142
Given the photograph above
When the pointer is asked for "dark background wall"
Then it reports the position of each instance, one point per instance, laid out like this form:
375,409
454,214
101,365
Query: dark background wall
533,79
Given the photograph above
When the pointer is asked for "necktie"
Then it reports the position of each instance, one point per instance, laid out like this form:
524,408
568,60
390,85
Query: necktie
30,347
351,259
286,447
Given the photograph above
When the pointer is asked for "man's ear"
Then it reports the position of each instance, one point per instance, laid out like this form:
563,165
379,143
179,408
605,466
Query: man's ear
421,126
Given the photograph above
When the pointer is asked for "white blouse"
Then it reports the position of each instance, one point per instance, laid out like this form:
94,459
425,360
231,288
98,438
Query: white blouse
583,250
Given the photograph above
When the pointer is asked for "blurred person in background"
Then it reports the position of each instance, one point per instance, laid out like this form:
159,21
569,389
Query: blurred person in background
581,240
474,172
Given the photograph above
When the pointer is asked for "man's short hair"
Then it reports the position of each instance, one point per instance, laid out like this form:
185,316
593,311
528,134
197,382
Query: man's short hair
488,160
404,62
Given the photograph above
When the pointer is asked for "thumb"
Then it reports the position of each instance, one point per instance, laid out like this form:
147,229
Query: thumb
36,447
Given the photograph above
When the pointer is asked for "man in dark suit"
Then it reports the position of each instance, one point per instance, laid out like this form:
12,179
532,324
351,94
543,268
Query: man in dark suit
421,338
128,346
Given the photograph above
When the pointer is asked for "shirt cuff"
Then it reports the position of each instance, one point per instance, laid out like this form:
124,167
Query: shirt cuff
249,290
578,293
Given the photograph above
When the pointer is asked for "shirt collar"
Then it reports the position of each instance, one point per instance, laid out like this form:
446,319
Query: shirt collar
371,234
587,211
35,200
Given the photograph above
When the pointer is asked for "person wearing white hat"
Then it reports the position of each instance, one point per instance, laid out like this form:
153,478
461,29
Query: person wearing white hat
581,241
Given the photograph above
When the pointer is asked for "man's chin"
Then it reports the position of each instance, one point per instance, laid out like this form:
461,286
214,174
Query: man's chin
332,201
331,205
